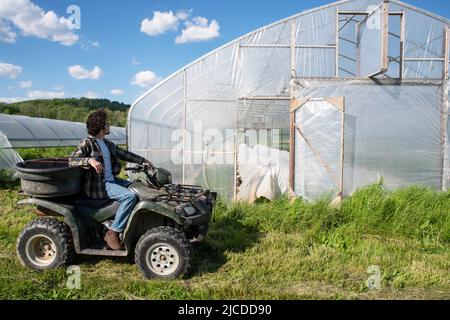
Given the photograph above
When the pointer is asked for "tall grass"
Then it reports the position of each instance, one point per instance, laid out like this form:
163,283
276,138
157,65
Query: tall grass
273,250
415,213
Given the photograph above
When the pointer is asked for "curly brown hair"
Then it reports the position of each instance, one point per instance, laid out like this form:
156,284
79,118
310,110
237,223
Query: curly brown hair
96,122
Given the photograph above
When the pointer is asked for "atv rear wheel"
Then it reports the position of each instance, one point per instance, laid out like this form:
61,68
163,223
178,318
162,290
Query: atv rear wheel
44,244
163,253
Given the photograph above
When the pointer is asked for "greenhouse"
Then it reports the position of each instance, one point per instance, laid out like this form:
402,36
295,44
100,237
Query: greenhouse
27,132
323,102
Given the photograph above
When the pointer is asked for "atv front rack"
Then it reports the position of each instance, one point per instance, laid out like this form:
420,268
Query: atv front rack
182,193
174,192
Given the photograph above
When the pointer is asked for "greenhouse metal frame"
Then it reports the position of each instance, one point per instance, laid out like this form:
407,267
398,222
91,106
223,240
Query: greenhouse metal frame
386,61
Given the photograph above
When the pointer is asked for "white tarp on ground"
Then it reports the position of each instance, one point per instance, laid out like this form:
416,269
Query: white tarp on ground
263,171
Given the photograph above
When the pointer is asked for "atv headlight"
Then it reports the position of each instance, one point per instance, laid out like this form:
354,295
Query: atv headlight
190,210
185,209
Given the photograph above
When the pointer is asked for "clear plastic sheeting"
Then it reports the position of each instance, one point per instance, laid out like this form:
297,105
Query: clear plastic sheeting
262,172
314,62
194,121
391,132
29,132
316,28
257,81
8,157
424,39
318,136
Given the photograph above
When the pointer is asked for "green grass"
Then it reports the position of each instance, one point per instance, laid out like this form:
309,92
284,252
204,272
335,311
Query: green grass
272,250
39,153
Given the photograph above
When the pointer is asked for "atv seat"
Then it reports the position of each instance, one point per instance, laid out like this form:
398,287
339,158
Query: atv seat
100,210
91,203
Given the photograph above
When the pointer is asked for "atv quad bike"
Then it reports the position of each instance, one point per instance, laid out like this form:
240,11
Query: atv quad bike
162,227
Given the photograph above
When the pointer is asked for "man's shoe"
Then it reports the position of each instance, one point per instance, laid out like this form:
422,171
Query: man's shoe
112,240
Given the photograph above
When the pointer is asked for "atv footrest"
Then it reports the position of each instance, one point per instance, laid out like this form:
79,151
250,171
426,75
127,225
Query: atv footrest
104,252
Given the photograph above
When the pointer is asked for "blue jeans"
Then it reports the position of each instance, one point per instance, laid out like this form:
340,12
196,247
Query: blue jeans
118,191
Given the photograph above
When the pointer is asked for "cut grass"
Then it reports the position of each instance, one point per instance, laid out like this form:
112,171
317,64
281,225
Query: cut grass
272,250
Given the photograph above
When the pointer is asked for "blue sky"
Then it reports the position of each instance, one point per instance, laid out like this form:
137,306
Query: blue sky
35,58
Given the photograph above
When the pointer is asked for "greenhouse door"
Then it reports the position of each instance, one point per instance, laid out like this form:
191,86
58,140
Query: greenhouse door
262,145
317,147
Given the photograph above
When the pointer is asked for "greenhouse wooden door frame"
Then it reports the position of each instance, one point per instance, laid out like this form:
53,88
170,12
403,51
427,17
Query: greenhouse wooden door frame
296,104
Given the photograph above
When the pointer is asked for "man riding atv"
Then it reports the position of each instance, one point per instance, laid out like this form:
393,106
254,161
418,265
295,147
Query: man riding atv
100,157
166,218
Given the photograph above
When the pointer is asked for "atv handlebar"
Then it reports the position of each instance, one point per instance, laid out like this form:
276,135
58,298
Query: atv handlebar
141,168
150,171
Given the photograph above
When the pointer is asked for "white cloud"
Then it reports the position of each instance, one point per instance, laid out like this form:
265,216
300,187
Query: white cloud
6,34
79,72
58,87
135,62
91,95
145,79
162,22
12,100
183,15
9,70
87,45
198,30
116,92
38,94
32,20
25,84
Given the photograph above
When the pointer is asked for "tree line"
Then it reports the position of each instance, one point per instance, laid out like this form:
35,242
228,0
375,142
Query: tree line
72,109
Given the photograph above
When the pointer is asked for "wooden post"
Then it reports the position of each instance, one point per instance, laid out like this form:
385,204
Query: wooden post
292,151
358,50
292,114
295,104
385,36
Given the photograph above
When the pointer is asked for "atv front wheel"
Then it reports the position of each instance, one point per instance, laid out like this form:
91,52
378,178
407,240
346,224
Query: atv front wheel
163,253
44,244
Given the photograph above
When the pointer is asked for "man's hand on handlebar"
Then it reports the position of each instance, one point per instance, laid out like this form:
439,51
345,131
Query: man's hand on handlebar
145,166
147,163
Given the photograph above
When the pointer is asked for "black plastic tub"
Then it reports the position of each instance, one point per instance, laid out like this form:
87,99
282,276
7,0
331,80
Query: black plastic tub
47,178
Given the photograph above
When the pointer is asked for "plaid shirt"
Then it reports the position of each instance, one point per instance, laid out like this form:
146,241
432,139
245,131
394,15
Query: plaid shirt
94,183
